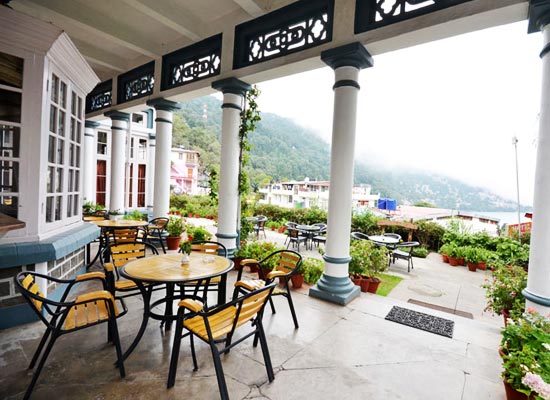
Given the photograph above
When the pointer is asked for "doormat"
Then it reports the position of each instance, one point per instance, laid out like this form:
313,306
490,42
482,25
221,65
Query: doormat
418,320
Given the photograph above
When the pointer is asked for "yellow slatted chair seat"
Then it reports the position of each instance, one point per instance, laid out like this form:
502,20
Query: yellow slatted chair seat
222,323
89,313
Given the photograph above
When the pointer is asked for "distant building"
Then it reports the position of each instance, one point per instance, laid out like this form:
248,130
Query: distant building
184,171
477,222
308,194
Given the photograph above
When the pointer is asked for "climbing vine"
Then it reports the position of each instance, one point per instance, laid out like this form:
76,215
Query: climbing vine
250,116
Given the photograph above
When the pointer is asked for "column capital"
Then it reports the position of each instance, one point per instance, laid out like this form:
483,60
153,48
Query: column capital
91,124
539,15
350,55
232,85
117,115
164,105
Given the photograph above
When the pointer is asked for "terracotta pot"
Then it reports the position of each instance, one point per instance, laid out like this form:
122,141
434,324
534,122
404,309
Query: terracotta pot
173,242
513,394
482,265
453,261
501,352
365,285
472,266
373,285
297,281
461,261
281,229
356,281
445,258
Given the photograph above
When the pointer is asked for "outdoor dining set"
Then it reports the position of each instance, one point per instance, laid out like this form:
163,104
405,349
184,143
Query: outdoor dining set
130,265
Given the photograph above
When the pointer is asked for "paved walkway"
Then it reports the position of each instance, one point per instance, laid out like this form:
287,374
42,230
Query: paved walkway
339,352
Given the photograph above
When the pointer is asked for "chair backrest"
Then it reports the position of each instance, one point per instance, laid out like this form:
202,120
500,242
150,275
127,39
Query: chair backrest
393,235
293,233
290,224
261,222
209,247
288,261
123,253
409,246
359,236
224,319
158,223
123,235
322,227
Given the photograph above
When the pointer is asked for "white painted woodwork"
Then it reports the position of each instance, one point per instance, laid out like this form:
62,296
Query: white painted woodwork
163,147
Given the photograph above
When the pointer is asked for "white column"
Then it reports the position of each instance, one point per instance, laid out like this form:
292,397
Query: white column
164,110
335,284
537,292
89,169
234,92
119,130
150,173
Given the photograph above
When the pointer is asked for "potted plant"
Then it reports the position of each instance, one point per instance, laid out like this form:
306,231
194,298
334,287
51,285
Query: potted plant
175,228
313,269
185,247
444,251
255,250
197,233
471,257
368,261
115,215
452,254
525,352
503,291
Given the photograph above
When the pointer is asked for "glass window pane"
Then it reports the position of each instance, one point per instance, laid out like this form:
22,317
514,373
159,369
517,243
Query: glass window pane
78,130
71,155
76,180
9,176
51,149
58,202
53,118
49,209
75,204
73,104
60,149
10,106
61,126
69,205
11,70
63,94
8,205
80,108
59,180
50,179
54,88
71,180
9,141
77,164
73,127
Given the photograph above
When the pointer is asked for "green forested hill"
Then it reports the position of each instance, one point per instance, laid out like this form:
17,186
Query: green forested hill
283,150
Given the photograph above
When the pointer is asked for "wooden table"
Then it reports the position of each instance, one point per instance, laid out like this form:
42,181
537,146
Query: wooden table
168,269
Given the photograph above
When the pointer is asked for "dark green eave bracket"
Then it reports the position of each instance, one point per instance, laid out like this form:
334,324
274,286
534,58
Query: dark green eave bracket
50,249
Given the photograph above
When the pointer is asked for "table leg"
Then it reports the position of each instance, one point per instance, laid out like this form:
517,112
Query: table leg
146,293
169,308
222,290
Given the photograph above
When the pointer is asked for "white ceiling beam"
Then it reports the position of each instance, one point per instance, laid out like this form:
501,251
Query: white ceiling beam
251,7
93,22
100,57
168,16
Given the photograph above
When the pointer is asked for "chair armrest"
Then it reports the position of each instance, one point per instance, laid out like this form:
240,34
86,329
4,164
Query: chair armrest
193,305
250,284
109,267
90,275
276,274
248,261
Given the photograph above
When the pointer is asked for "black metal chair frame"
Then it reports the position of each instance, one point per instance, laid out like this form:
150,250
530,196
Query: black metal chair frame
285,292
359,236
404,255
54,315
206,285
295,238
288,225
260,226
156,231
258,332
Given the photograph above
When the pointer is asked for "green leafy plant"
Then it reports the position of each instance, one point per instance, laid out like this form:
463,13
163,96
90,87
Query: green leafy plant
185,246
135,215
196,233
503,291
367,259
471,254
175,226
526,350
258,251
420,252
312,269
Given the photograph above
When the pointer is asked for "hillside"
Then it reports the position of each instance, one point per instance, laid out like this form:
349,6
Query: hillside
283,150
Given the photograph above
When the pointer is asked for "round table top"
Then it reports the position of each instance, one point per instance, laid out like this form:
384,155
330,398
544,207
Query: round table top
121,223
384,239
168,268
308,227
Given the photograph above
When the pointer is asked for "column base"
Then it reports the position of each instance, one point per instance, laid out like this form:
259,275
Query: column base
334,289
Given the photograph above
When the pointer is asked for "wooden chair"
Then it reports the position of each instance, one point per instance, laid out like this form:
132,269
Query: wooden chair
65,316
288,263
120,255
207,247
217,326
405,254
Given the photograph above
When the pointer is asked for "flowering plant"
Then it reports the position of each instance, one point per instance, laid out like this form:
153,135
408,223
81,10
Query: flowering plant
526,354
503,292
185,245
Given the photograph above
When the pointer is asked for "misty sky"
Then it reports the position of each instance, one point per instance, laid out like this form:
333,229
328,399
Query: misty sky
450,106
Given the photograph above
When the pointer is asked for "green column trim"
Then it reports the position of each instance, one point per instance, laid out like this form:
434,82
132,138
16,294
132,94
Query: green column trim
339,290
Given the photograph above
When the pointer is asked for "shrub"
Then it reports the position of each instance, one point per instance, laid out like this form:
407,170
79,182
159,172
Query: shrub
175,226
312,269
420,252
367,258
196,233
503,291
258,251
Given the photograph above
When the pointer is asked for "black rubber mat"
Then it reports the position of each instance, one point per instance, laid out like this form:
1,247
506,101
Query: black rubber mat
426,322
